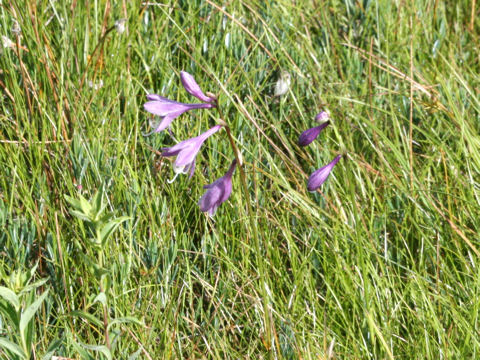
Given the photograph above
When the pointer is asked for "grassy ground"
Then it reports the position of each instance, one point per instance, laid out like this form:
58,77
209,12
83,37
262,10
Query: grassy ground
383,263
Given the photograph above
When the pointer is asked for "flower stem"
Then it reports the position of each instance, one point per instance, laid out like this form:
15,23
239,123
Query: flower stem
253,226
105,308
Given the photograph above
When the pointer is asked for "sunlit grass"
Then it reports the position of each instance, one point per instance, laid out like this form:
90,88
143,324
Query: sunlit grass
382,263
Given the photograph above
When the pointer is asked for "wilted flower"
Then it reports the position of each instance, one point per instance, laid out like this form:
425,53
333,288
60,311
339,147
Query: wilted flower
217,192
319,176
16,30
120,25
170,109
95,85
283,83
6,42
186,152
309,135
322,116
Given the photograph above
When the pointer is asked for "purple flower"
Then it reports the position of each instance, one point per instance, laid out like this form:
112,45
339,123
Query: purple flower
319,176
168,109
311,134
218,192
186,152
322,116
192,87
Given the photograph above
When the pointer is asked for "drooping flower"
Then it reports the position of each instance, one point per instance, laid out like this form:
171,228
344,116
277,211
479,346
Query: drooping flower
217,192
193,88
168,109
309,135
322,116
186,152
319,176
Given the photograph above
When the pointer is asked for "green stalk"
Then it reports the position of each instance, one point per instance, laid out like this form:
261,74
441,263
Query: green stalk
253,226
105,308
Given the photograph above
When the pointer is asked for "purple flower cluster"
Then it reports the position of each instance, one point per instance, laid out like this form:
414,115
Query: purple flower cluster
168,109
319,176
186,151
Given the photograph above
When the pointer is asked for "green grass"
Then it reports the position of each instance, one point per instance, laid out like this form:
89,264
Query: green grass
383,263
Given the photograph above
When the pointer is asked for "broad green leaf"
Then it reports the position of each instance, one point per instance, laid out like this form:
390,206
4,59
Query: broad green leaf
73,202
98,204
12,347
80,215
9,296
29,313
85,206
107,229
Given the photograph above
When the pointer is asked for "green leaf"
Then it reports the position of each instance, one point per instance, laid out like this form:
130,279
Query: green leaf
109,228
126,319
80,215
99,348
73,202
8,311
28,314
12,347
98,204
10,296
85,206
135,355
51,349
102,298
89,317
33,286
82,352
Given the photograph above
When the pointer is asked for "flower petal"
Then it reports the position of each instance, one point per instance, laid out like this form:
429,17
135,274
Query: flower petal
163,108
155,97
166,121
217,192
213,211
188,154
322,116
192,87
211,198
309,135
319,176
192,169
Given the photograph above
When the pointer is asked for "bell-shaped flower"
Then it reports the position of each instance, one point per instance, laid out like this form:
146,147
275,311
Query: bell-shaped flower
309,135
193,88
168,109
217,192
186,152
319,176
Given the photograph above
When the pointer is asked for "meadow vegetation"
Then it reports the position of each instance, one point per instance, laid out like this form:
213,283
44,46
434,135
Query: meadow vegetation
102,258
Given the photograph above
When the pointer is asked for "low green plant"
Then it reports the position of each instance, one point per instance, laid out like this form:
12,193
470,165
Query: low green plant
18,305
